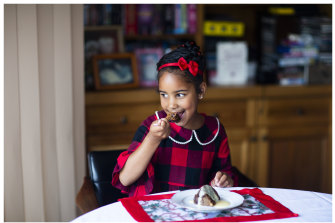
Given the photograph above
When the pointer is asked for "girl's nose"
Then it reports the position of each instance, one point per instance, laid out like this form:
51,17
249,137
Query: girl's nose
172,103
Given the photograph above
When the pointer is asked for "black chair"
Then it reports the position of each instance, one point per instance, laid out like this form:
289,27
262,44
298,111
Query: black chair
101,165
243,180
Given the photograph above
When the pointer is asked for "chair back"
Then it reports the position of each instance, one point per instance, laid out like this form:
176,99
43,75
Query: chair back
101,165
243,180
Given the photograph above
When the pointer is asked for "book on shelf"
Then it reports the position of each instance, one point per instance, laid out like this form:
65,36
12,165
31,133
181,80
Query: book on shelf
157,20
294,75
102,14
130,19
293,61
116,13
183,19
179,16
144,18
93,15
107,14
86,15
191,18
168,19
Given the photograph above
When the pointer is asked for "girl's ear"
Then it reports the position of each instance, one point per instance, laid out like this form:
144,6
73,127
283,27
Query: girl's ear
203,88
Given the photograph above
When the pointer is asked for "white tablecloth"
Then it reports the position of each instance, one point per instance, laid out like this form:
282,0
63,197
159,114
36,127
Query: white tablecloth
311,206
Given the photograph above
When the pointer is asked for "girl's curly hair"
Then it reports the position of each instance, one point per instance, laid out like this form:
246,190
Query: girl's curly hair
189,51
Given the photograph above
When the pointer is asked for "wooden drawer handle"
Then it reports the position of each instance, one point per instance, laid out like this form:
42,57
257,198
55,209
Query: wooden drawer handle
300,111
124,120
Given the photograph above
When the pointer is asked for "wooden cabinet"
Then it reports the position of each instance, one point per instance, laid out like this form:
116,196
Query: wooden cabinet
294,147
298,158
236,109
278,136
113,117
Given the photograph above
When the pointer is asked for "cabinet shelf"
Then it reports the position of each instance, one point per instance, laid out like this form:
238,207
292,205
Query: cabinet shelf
103,28
160,37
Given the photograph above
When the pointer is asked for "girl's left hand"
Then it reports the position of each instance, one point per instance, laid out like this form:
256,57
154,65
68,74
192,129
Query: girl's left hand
222,179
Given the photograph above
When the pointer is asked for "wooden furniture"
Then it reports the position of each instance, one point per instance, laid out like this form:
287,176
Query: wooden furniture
278,136
113,117
294,138
235,107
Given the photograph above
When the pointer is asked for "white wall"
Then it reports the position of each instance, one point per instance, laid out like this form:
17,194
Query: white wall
44,157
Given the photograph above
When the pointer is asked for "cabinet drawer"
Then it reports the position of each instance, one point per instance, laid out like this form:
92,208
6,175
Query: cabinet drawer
117,119
295,111
120,117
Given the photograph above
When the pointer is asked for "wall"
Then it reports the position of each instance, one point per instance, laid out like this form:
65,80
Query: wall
44,152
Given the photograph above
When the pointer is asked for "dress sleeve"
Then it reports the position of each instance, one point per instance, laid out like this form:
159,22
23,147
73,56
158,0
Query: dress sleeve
144,184
222,161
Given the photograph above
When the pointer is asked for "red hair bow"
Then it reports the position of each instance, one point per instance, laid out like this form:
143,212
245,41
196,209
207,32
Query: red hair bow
192,66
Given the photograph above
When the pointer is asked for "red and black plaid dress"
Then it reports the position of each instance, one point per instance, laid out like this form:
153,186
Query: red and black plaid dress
178,167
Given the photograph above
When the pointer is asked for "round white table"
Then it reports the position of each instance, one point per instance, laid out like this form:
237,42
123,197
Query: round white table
311,207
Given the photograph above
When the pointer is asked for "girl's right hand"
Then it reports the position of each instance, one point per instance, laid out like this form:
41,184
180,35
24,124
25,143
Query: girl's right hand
139,160
159,129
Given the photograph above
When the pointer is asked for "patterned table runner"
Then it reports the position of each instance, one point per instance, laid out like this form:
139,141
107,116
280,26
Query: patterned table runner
158,208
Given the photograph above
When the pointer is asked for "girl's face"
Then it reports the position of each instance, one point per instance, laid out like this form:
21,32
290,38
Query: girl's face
180,97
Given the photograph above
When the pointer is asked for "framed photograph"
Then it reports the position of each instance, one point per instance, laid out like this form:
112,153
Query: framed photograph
147,59
115,71
100,40
103,40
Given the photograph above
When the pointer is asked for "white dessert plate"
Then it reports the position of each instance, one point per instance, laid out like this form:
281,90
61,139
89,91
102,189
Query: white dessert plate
185,200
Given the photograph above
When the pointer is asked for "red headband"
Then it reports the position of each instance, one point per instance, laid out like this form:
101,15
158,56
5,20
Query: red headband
183,65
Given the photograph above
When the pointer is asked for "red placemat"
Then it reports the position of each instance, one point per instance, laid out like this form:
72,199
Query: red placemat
256,206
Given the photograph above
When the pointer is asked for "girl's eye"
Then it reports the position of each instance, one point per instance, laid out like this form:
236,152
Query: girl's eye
180,95
163,95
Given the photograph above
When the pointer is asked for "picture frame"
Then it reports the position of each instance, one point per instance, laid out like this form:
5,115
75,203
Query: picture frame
147,59
104,40
115,71
100,40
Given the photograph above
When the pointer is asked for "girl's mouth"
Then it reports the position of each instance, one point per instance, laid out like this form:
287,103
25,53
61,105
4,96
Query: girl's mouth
180,114
175,116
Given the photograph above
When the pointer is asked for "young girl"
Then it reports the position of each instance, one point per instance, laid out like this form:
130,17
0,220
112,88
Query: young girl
186,154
